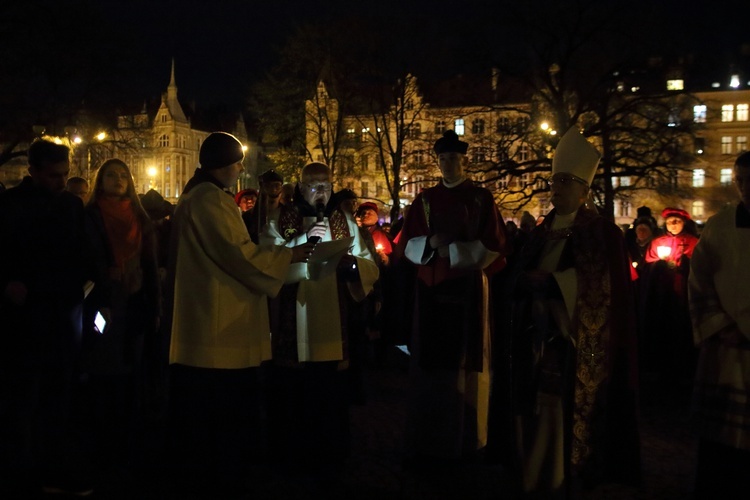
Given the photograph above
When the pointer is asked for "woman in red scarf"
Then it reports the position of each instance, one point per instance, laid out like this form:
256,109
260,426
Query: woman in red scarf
126,293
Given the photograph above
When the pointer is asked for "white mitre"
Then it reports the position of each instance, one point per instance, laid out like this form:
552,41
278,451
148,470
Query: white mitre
576,156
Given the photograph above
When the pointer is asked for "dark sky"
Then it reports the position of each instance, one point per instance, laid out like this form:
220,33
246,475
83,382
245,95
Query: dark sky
222,46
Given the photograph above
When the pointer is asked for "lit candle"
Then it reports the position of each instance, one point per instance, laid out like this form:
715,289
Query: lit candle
663,251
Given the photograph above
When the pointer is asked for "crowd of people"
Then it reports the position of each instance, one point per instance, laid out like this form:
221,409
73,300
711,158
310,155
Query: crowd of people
243,322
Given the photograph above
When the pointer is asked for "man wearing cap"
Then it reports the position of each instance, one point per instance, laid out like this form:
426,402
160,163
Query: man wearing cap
719,290
367,219
309,378
220,328
456,239
573,340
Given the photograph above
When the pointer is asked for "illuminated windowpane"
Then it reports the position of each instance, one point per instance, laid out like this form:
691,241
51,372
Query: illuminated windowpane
727,112
726,145
699,209
675,84
742,112
459,126
699,113
726,176
699,177
741,143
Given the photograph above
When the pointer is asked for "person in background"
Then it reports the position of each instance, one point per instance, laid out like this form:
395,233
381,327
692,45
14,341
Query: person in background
719,295
574,358
367,218
455,238
127,293
220,329
268,204
79,187
246,199
644,231
669,356
287,193
43,269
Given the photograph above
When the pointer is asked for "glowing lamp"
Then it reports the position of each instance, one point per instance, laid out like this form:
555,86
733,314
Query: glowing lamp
378,247
663,251
635,264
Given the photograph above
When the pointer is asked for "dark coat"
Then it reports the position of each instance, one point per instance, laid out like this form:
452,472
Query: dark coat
42,245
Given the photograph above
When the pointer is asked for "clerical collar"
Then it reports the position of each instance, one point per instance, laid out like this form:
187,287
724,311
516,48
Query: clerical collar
743,216
454,184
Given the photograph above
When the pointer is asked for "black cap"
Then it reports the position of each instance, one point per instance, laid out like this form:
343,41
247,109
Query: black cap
220,150
270,176
450,143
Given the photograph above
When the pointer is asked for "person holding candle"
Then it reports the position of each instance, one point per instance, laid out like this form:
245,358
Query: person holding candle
667,351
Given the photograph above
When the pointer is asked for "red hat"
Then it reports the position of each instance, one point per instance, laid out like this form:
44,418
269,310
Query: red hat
370,205
675,212
245,192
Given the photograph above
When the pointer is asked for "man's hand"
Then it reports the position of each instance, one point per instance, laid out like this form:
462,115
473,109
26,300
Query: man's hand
301,253
317,229
16,292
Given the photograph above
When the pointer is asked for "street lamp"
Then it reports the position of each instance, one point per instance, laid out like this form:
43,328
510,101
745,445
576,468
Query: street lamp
151,171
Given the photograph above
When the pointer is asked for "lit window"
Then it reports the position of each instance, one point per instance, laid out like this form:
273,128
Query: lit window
742,112
726,145
725,177
675,84
699,209
699,177
459,126
625,181
699,113
741,143
727,112
734,82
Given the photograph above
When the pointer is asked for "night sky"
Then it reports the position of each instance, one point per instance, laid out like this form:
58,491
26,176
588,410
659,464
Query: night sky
222,47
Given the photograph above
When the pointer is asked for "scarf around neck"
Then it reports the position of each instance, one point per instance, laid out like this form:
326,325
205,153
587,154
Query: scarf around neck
123,229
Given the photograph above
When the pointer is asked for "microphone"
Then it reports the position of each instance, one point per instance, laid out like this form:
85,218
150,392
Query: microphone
320,209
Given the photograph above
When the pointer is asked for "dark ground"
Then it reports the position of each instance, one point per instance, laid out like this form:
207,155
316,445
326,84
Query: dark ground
375,469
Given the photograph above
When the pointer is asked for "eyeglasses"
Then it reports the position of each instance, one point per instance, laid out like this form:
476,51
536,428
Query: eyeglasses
323,187
565,181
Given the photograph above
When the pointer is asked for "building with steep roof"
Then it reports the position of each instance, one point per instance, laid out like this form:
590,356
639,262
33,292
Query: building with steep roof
162,148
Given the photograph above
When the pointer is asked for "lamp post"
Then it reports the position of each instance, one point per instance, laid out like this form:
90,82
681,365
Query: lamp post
78,140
